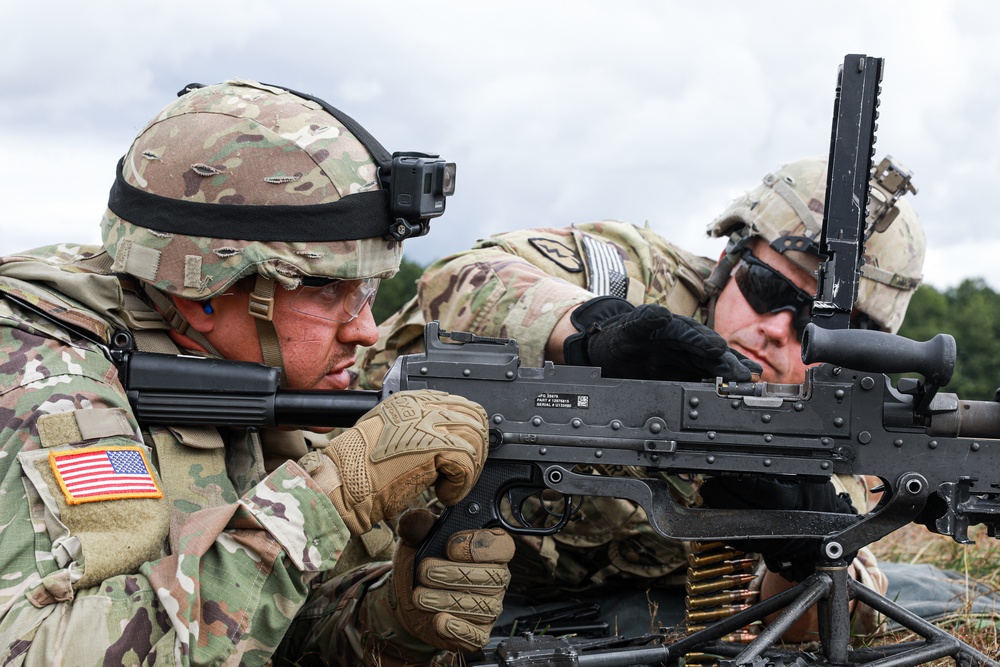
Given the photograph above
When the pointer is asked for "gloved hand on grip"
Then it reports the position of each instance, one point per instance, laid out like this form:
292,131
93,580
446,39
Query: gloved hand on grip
407,443
454,602
649,342
793,558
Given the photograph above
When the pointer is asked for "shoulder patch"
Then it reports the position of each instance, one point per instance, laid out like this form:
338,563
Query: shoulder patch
557,252
103,473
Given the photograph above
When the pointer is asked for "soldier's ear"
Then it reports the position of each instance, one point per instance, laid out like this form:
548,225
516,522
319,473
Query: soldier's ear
199,315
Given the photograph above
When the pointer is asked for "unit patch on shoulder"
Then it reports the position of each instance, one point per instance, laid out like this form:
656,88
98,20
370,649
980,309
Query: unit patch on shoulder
556,252
103,473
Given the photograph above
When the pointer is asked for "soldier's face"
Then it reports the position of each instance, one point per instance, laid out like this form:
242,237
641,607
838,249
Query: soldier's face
316,352
769,338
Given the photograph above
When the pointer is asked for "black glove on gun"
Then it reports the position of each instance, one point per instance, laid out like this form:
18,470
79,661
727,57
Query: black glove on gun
794,558
650,343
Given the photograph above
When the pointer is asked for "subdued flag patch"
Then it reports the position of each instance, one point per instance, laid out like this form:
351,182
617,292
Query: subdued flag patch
103,473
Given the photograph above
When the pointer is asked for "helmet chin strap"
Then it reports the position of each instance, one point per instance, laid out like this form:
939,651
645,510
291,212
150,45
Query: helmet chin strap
176,320
720,274
261,308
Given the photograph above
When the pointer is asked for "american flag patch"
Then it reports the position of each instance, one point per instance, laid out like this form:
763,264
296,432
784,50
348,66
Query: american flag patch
104,473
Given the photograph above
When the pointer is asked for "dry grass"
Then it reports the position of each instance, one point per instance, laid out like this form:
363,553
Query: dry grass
980,561
916,544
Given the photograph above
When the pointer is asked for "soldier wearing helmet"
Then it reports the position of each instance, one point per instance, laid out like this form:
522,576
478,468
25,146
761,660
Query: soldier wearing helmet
621,297
251,223
777,226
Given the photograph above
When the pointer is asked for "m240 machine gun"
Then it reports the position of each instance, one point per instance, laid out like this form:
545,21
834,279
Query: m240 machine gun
938,457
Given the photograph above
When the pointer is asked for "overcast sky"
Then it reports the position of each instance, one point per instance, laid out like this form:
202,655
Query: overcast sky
555,112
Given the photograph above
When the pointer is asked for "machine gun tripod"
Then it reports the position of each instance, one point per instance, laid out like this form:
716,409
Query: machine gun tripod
830,587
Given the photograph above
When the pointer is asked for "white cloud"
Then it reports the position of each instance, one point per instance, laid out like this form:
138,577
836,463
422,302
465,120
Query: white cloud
54,192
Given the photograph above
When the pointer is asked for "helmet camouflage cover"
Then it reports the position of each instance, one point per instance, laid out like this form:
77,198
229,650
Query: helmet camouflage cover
790,203
245,144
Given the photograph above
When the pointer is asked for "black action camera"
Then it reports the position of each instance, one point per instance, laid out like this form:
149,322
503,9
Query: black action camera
418,185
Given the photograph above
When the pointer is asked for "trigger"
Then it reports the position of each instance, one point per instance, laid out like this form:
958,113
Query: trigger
517,498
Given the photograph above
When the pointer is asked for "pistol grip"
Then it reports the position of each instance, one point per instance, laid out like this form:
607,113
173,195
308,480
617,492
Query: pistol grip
480,508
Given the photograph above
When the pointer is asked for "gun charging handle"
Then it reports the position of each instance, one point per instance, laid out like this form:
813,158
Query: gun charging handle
881,352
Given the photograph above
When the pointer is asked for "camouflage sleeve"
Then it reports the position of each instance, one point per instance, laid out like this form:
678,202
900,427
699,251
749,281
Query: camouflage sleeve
493,293
88,576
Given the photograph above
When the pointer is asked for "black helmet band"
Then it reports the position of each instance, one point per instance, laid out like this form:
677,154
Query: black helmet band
362,215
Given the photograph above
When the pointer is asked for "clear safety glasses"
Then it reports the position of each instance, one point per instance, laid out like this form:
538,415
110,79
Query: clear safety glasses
334,300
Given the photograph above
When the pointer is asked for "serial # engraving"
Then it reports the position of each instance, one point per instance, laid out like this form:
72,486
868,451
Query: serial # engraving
551,400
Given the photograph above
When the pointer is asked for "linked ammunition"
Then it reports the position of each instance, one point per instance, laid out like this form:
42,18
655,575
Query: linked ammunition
724,582
701,560
702,601
713,614
720,570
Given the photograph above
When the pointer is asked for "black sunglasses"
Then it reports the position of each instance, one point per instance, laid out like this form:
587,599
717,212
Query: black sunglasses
768,291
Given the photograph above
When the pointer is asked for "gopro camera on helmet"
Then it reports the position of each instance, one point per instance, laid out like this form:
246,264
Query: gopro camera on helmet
418,185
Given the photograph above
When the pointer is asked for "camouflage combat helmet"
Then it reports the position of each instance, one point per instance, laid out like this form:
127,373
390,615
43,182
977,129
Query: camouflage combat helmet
253,160
787,211
243,178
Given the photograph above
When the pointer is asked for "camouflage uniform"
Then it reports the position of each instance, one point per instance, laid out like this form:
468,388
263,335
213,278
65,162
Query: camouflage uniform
218,538
209,568
519,285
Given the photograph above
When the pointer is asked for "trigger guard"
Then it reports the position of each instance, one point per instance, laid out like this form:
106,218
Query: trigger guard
525,528
521,494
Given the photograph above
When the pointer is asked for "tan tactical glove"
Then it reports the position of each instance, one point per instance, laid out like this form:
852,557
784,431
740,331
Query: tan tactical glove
408,442
456,601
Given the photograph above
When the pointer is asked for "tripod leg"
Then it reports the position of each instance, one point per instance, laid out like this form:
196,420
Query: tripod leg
818,588
939,643
835,616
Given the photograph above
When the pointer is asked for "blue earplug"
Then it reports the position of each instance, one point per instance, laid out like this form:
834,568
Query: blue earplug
208,308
